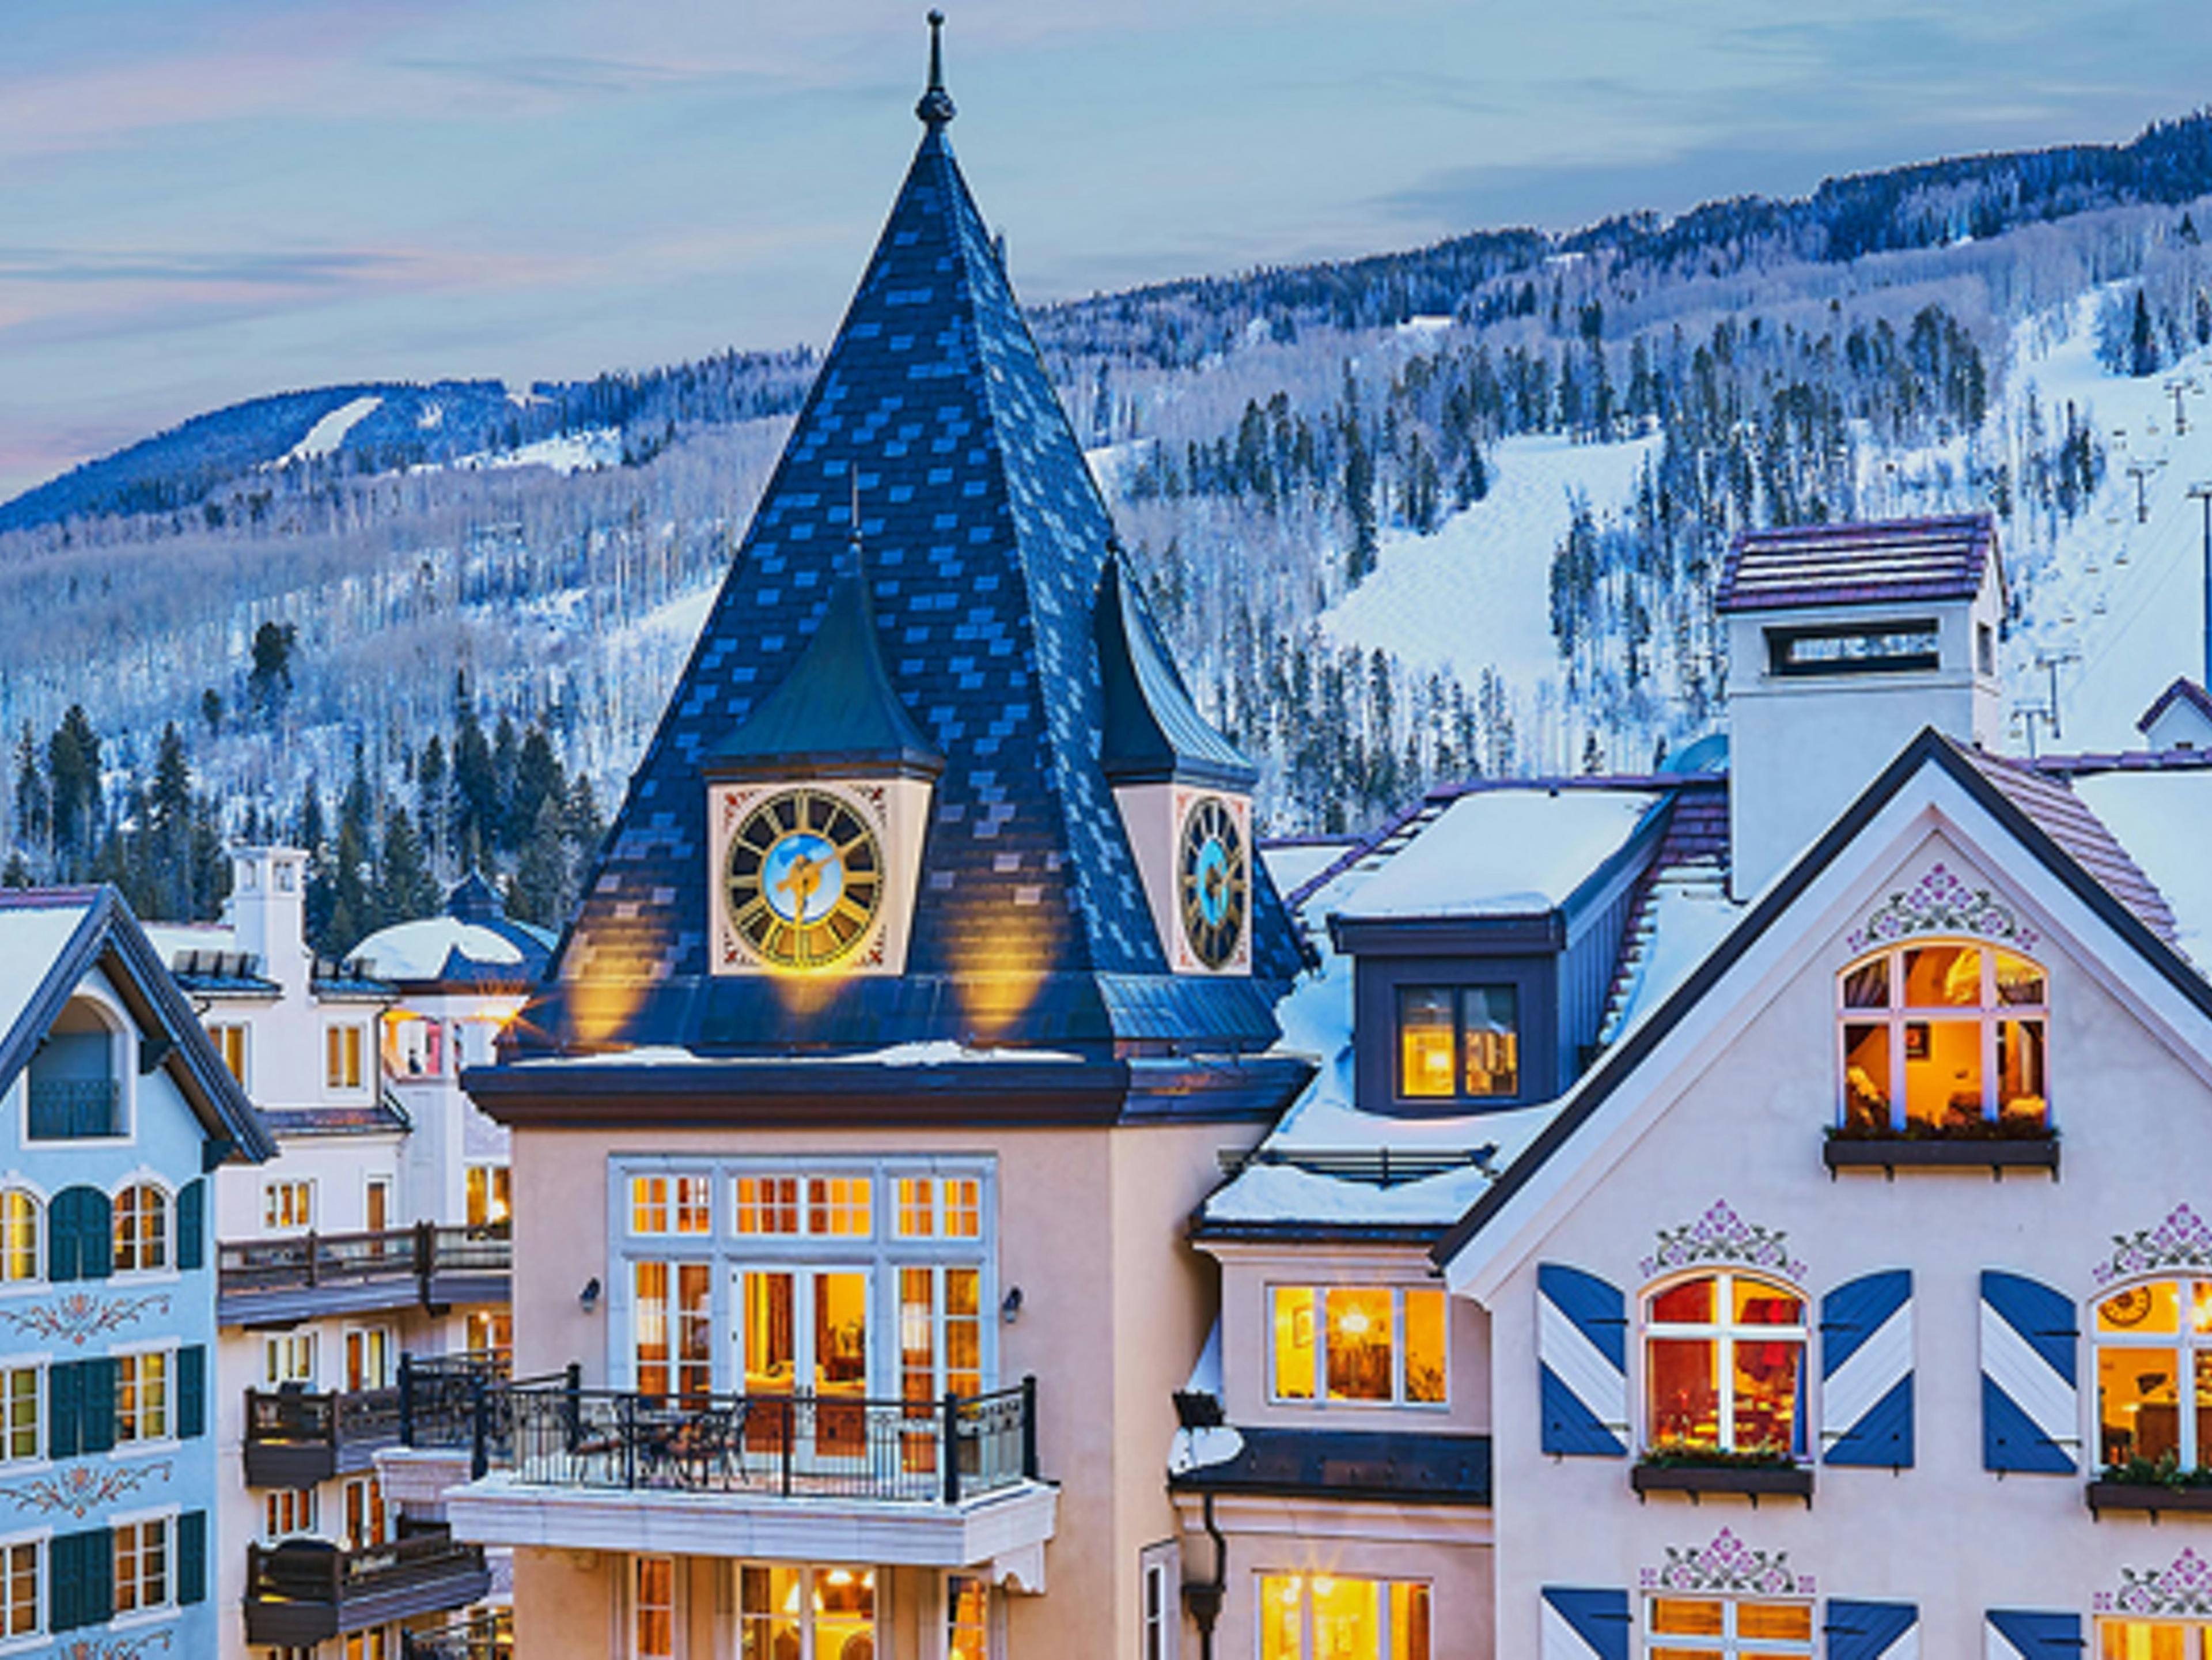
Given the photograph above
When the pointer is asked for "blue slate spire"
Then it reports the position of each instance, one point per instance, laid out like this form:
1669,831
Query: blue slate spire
986,539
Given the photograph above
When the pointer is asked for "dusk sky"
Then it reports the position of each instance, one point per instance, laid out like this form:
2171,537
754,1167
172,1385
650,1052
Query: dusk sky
204,200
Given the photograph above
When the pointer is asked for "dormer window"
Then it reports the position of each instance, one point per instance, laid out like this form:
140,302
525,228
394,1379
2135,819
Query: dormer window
1458,1042
1944,1037
1855,648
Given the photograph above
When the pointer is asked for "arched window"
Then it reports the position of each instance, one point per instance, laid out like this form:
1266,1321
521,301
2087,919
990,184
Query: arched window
2155,1373
1724,1365
1944,1037
76,1078
20,1259
141,1229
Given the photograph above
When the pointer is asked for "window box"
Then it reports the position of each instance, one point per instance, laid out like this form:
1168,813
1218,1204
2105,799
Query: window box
1747,1477
1995,1153
2147,1496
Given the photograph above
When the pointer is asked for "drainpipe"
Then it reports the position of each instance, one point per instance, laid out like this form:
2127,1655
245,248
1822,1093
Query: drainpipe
1203,1596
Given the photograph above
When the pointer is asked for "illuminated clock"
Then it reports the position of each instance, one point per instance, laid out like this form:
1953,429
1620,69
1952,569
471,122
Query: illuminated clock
1213,885
2126,1307
803,878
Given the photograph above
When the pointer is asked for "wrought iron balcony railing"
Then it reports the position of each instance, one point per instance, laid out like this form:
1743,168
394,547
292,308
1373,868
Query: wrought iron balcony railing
554,1433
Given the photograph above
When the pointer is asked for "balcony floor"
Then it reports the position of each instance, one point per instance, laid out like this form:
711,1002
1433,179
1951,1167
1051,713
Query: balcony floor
1009,1524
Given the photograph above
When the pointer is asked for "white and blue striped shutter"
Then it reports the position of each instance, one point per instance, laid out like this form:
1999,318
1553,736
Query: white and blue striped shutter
2030,1402
1581,1353
1873,1631
2013,1634
1584,1625
1866,1372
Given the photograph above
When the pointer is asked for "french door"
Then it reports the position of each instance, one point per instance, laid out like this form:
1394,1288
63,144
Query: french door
805,1332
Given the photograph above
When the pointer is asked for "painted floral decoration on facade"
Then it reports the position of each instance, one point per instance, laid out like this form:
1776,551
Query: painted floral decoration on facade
2184,1240
2183,1587
1720,1236
83,1488
79,1316
132,1647
1728,1565
1939,902
118,1648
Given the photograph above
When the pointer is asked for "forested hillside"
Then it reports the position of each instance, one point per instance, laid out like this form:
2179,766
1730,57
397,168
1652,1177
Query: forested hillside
1426,513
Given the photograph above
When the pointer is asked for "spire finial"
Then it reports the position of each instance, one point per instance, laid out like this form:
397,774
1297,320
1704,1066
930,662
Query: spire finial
936,108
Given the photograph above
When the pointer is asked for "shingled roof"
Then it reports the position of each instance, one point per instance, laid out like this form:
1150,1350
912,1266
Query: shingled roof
1901,559
985,542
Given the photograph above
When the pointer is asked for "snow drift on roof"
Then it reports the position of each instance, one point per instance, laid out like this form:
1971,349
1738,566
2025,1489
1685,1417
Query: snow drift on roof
1502,852
417,951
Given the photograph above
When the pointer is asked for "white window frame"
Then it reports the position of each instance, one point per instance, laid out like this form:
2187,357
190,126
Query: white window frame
634,1606
1723,1331
2184,1343
1159,1602
280,1352
167,1240
498,1209
374,1508
121,1068
167,1520
1729,1645
40,1540
306,1506
1897,1015
370,1182
335,1044
37,1278
36,1364
137,1355
993,1615
882,1619
673,1196
1321,1399
301,1185
219,1033
382,1341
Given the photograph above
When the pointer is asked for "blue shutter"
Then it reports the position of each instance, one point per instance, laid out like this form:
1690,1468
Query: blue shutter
65,1408
63,1234
192,1391
2031,1404
1873,1631
80,1235
2029,1636
62,1582
1581,1353
191,1557
81,1579
96,1405
1584,1625
1866,1371
191,1225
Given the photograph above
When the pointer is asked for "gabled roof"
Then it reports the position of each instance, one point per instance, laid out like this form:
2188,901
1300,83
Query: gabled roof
986,539
1153,731
835,713
2183,691
2052,832
1895,560
51,938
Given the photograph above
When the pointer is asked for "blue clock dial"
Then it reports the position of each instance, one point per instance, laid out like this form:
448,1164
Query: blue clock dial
1213,881
803,879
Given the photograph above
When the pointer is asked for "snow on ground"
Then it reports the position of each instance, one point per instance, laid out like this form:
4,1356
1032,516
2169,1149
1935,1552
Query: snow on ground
327,434
1478,591
1504,852
2128,597
570,452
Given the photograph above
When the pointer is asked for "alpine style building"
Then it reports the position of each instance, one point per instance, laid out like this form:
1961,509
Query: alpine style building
969,1213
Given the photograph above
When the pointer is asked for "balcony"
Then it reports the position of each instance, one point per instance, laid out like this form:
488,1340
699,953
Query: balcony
487,1637
947,1483
278,1282
305,1591
294,1439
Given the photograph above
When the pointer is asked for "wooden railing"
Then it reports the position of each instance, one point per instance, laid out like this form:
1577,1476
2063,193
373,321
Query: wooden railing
304,1591
554,1433
248,1268
487,1637
294,1417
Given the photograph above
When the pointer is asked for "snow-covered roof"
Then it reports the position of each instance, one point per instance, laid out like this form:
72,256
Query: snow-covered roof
1293,864
1502,852
472,943
418,950
31,938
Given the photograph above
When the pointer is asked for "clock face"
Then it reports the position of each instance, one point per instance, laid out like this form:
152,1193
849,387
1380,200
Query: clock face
1212,885
803,878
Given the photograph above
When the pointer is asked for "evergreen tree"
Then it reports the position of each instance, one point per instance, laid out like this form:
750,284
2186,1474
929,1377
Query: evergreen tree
581,828
269,683
2143,340
476,792
73,774
405,888
539,892
1359,506
35,804
433,801
504,832
168,833
537,780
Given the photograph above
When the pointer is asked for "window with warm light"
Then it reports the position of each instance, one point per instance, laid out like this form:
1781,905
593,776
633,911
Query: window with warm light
931,1208
141,1229
653,1608
366,1522
674,1335
142,1396
1373,1343
1699,1627
819,1611
489,1332
940,1333
672,1204
1327,1617
288,1207
1944,1037
229,1039
489,1196
20,1262
21,1583
19,1414
2154,1640
342,1057
1724,1366
288,1357
1458,1042
967,1618
2154,1344
287,1512
141,1581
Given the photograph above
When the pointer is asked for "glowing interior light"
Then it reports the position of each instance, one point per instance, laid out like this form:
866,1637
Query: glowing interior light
1289,1590
1354,1324
841,1576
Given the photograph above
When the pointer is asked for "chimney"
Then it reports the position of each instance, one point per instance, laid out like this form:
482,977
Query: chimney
1844,641
268,912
